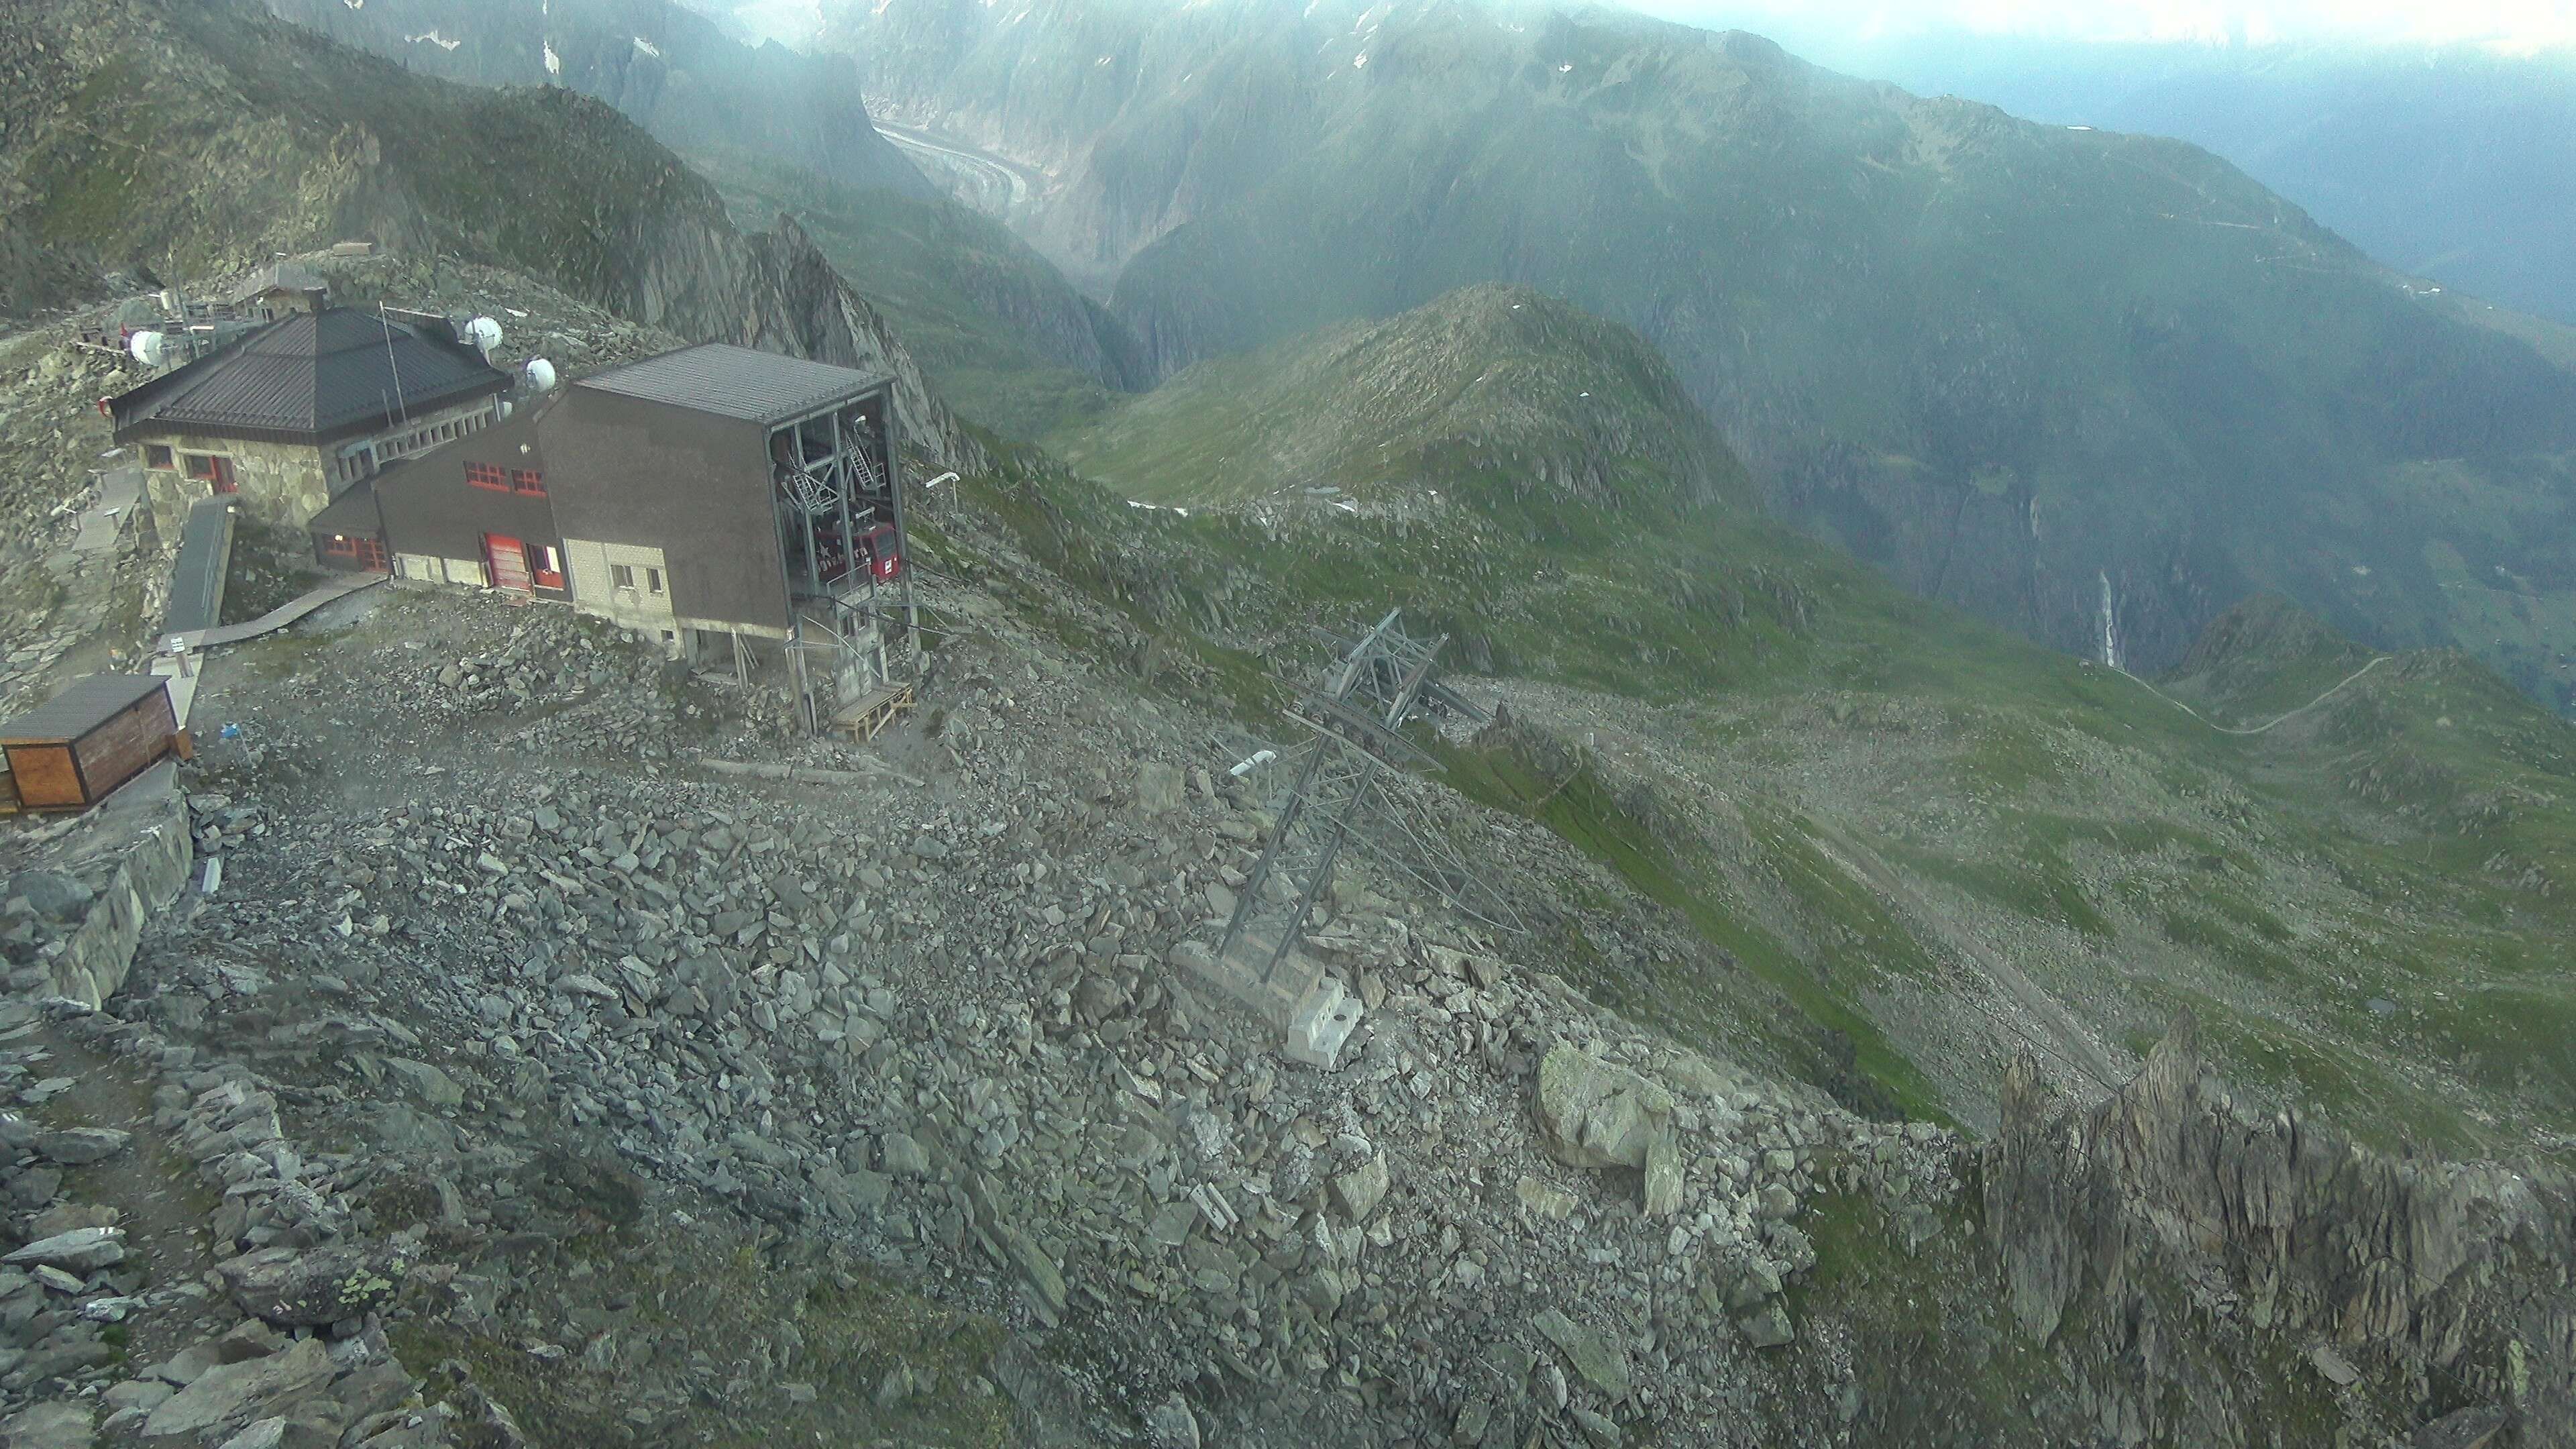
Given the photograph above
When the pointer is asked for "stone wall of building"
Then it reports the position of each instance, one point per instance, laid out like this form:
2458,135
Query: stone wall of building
280,483
287,483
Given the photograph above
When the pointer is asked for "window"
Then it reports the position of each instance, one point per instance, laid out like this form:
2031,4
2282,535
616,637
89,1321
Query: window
488,475
622,576
528,481
211,468
545,565
653,581
157,455
365,550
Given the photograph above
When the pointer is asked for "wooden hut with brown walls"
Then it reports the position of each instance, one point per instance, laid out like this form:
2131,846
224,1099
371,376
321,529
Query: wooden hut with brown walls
75,749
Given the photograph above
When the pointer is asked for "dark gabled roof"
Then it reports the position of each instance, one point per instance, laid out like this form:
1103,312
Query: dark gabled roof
353,513
736,382
78,710
311,378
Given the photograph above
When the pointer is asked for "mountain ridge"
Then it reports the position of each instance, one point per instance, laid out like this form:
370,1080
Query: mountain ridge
1559,407
668,68
2003,361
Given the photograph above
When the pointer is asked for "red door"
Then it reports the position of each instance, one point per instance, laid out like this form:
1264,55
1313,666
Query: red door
505,560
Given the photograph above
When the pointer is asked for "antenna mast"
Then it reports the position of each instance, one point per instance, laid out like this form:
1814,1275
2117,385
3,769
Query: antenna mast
402,407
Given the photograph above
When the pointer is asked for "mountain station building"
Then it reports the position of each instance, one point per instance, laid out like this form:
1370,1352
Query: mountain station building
310,404
737,506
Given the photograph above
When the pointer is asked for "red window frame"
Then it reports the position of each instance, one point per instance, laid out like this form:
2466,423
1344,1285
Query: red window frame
212,468
364,549
528,482
545,565
487,475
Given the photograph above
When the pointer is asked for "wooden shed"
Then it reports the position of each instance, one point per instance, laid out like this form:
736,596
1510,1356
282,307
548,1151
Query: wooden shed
72,751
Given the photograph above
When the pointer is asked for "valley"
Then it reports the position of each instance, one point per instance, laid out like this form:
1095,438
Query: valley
1908,1028
1983,354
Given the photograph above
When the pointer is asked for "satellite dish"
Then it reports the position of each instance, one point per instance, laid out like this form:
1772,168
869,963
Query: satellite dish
484,333
541,375
148,348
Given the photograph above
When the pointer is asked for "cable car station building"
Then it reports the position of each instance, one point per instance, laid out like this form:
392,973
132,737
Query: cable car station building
724,501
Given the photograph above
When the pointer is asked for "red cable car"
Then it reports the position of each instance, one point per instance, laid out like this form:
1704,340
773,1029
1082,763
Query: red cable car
877,546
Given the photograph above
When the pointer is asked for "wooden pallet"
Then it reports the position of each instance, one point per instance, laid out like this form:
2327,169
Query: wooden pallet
870,713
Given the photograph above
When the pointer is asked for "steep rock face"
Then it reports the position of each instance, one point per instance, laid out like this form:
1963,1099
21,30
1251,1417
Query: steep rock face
267,138
2165,1215
785,297
668,68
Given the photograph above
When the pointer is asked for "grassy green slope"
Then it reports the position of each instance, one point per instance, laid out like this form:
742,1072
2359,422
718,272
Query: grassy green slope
1000,335
1492,379
1871,809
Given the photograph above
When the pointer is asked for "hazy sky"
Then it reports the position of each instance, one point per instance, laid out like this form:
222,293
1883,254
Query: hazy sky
2517,26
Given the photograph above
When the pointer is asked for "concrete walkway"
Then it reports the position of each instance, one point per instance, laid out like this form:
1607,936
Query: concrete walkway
103,522
340,587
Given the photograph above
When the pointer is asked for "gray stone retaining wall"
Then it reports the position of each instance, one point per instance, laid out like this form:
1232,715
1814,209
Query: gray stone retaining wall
157,853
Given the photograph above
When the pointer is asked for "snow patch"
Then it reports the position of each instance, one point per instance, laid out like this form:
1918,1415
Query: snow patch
434,38
1360,61
648,47
554,62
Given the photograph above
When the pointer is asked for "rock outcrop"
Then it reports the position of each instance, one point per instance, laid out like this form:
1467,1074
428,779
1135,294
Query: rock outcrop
1593,1113
2444,1287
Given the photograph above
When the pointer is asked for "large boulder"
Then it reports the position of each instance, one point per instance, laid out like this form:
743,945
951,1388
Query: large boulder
313,1289
233,1394
1158,788
1592,1113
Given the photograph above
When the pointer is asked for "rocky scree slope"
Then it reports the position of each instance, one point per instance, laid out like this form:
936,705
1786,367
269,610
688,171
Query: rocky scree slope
668,68
188,140
696,1107
2005,362
929,1017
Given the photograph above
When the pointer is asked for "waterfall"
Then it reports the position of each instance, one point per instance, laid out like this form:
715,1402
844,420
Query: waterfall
2110,625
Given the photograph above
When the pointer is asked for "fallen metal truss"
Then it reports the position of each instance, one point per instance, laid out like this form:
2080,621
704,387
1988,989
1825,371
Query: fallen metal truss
1356,710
